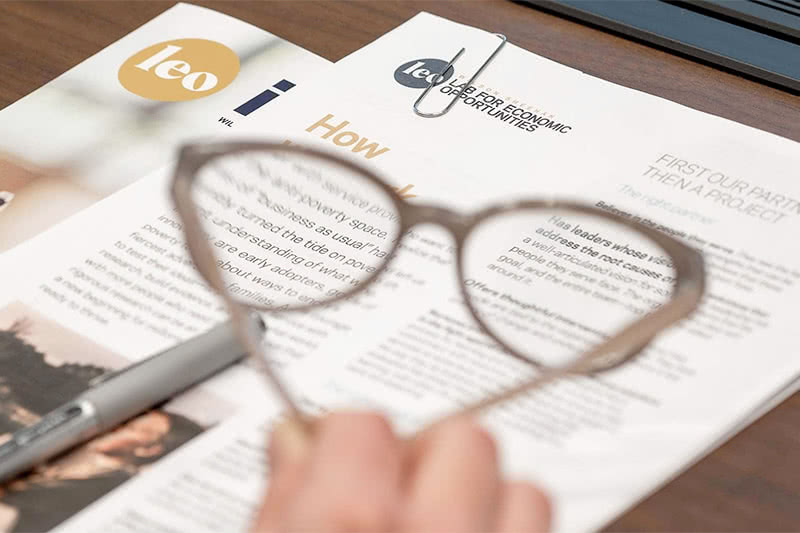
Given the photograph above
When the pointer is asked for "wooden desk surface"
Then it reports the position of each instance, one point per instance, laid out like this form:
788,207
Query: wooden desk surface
752,482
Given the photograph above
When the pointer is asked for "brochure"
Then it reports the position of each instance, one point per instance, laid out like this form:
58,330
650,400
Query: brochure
117,115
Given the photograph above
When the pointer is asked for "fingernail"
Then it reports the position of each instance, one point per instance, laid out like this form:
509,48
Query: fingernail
290,443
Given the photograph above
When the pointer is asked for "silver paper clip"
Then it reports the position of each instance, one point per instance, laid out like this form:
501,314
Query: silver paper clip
441,74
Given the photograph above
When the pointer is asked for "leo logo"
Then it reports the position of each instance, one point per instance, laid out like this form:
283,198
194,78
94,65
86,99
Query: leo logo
178,70
420,73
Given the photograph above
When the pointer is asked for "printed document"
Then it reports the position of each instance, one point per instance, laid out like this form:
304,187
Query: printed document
118,115
116,278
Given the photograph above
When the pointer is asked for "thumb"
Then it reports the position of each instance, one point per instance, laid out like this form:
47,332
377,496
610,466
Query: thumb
289,450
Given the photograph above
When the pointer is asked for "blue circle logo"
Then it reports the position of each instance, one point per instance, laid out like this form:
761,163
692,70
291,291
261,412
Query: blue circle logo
419,73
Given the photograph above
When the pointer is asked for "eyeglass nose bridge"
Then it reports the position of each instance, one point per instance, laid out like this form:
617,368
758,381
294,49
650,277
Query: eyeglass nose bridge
456,223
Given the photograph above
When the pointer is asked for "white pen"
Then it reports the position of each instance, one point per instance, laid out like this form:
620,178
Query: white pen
122,395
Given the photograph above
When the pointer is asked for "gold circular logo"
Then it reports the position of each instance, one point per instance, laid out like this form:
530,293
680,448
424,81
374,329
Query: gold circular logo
178,70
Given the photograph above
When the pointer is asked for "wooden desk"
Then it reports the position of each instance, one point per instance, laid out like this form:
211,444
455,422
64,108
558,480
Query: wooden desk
752,482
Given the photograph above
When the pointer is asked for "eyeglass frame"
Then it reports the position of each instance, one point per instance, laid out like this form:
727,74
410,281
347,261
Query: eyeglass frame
688,263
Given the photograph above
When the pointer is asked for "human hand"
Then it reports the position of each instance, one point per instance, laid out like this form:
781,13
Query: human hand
354,474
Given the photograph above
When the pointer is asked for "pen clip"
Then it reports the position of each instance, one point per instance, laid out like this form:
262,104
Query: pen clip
458,94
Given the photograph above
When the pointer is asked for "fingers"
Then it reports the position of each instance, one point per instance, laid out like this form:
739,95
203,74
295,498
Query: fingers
454,484
522,507
353,474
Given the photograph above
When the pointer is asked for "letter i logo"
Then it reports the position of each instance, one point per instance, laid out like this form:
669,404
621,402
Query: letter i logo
266,96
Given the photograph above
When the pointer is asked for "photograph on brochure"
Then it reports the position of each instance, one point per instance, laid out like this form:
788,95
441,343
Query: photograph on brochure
45,365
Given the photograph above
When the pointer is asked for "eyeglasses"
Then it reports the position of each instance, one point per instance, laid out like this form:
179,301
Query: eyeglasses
560,288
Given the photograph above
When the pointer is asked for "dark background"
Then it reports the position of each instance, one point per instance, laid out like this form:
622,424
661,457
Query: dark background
752,483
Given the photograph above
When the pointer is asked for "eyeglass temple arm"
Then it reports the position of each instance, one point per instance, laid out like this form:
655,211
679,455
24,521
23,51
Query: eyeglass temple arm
255,348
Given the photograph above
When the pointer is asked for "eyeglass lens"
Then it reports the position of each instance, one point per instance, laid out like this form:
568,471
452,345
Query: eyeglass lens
552,283
292,230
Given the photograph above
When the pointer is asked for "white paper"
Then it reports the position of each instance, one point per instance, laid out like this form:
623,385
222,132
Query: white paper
597,446
84,135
